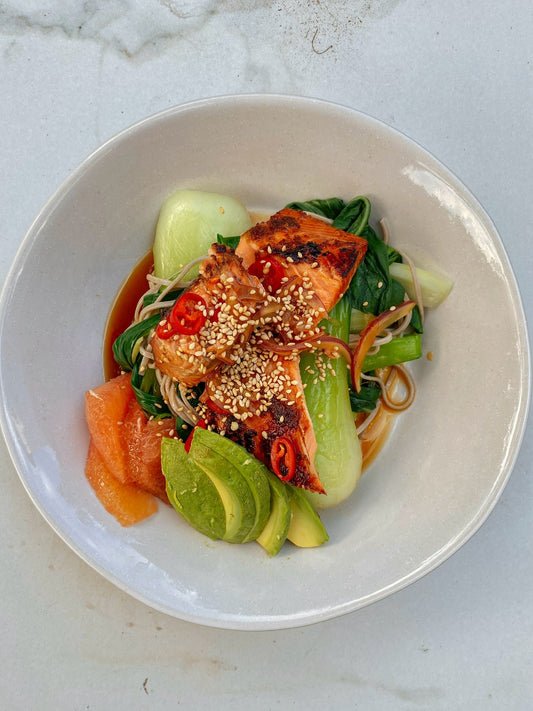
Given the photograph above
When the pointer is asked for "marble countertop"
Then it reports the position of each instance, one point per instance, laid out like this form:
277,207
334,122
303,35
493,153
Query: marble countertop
454,76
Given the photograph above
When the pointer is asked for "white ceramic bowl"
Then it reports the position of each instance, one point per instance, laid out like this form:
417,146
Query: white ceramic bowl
449,456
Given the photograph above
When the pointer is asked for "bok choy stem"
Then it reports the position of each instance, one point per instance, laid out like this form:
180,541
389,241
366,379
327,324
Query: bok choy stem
338,457
399,350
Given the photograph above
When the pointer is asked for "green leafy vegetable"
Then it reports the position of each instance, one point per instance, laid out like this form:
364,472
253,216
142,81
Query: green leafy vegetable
354,216
231,242
372,290
338,457
147,393
183,429
366,399
329,207
189,221
434,288
125,347
399,350
171,296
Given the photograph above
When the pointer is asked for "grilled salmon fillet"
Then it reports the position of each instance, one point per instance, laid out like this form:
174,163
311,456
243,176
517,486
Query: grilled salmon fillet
263,306
260,399
307,247
232,297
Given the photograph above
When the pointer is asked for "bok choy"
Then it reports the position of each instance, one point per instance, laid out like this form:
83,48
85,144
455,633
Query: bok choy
338,457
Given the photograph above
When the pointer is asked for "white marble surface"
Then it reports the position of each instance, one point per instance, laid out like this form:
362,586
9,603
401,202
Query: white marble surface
456,77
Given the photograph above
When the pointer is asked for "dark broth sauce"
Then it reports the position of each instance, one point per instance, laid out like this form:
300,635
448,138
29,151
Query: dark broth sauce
123,309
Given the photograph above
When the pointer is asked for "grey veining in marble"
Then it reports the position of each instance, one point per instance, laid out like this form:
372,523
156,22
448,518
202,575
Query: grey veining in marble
139,29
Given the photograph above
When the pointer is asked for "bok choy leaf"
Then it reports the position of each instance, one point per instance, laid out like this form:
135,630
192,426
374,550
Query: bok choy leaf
329,207
125,347
147,393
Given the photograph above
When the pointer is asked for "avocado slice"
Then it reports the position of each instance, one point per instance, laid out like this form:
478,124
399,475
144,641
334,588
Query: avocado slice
233,488
306,530
254,472
274,534
190,491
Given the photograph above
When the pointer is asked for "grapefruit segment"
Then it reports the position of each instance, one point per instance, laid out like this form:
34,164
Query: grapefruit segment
126,502
142,443
105,410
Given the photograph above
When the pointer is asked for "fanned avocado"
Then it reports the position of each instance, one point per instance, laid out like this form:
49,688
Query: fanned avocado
254,472
224,492
233,488
190,491
306,530
274,534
